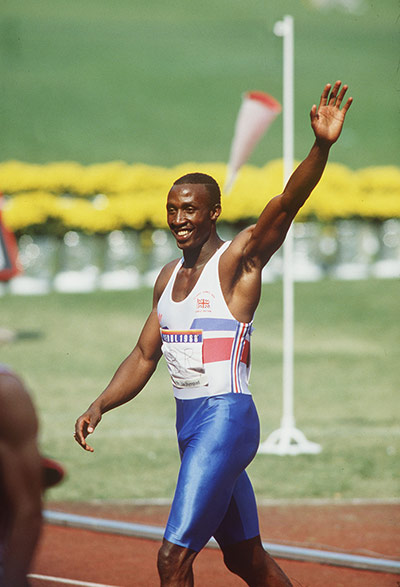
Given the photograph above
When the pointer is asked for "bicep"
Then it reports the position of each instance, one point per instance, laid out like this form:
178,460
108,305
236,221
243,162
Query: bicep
268,233
149,343
148,347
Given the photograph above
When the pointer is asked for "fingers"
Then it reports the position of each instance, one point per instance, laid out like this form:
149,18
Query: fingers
83,427
334,93
341,95
80,440
347,105
324,95
336,96
313,113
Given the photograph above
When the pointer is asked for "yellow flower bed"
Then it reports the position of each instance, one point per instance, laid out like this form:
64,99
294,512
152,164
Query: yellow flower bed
103,197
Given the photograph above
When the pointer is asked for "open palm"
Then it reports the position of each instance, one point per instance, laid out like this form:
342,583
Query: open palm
327,120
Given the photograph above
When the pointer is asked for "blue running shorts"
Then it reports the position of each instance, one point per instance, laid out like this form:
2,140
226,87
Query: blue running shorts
218,437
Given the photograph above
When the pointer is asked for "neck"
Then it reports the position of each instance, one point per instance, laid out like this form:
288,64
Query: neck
198,257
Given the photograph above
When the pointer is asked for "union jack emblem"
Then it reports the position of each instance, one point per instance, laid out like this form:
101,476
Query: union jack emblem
203,303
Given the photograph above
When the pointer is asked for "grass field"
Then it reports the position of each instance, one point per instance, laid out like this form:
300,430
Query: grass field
346,390
161,82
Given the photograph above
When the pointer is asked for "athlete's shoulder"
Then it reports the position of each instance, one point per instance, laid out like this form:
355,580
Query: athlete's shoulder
237,245
167,271
163,278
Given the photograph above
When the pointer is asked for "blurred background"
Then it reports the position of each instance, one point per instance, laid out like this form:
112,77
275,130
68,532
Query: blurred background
103,106
161,83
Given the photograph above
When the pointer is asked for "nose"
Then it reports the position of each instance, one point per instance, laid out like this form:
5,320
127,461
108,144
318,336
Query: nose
179,217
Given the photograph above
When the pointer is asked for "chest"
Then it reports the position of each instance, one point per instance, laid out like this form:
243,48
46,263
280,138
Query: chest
190,298
185,281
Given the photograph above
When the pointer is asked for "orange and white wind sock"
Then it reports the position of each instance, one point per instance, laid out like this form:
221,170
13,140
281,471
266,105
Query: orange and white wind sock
256,114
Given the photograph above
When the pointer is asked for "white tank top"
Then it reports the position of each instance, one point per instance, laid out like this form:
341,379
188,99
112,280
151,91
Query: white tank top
207,350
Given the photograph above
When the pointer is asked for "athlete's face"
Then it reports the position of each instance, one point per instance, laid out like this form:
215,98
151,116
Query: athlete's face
190,215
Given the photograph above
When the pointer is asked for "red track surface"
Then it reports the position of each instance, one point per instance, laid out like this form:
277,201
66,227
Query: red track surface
369,530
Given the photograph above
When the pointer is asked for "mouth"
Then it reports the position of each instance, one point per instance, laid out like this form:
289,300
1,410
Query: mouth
182,234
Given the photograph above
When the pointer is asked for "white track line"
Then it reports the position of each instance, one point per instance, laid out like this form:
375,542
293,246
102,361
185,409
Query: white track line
68,581
278,550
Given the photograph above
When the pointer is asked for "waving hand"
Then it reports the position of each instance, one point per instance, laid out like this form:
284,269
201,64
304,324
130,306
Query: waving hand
327,120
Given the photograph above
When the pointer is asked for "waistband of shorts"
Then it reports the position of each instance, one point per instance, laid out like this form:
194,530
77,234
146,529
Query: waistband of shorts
201,392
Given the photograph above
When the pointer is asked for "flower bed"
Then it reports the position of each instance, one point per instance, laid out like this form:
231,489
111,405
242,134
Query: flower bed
55,198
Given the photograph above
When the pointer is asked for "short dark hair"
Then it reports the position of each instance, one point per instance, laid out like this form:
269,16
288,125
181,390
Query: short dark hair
208,181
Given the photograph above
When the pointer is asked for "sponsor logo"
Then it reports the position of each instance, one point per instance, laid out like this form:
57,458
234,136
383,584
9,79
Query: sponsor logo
182,383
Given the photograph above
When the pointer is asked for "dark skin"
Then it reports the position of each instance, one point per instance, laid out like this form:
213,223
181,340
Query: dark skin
20,479
192,220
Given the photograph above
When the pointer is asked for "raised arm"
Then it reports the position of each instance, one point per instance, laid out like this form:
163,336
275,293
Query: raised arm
129,379
272,226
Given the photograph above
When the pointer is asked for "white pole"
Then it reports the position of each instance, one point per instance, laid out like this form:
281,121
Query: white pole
288,161
288,439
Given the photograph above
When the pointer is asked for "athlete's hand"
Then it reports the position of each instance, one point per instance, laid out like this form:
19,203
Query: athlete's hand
327,121
86,425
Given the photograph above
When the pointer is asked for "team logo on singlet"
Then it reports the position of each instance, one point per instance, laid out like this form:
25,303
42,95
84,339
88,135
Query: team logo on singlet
204,301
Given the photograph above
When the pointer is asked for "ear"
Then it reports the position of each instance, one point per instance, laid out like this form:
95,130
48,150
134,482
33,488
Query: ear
215,212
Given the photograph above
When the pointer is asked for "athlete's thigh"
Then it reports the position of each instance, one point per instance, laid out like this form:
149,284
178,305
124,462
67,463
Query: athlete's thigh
241,519
213,458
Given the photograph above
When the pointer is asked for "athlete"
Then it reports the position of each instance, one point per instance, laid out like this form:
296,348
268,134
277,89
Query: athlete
201,321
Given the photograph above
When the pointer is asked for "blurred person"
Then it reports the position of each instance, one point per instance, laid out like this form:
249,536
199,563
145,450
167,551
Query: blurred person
203,308
24,475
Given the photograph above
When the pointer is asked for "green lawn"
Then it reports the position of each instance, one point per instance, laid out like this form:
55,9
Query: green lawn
161,82
346,390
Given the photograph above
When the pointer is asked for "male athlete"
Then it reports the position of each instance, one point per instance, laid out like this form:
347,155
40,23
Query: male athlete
201,321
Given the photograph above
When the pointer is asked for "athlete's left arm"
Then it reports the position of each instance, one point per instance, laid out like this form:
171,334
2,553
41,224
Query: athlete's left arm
270,231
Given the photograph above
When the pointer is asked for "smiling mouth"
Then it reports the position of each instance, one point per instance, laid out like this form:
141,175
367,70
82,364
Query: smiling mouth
182,233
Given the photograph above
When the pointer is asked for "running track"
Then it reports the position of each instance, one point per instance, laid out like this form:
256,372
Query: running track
83,557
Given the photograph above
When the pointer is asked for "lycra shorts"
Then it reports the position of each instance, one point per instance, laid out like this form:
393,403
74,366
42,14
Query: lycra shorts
218,437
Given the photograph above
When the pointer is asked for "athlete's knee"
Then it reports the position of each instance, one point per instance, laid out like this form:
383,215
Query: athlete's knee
244,558
174,564
167,559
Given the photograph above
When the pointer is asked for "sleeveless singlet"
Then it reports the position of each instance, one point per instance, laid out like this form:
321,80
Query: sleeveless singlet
207,350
